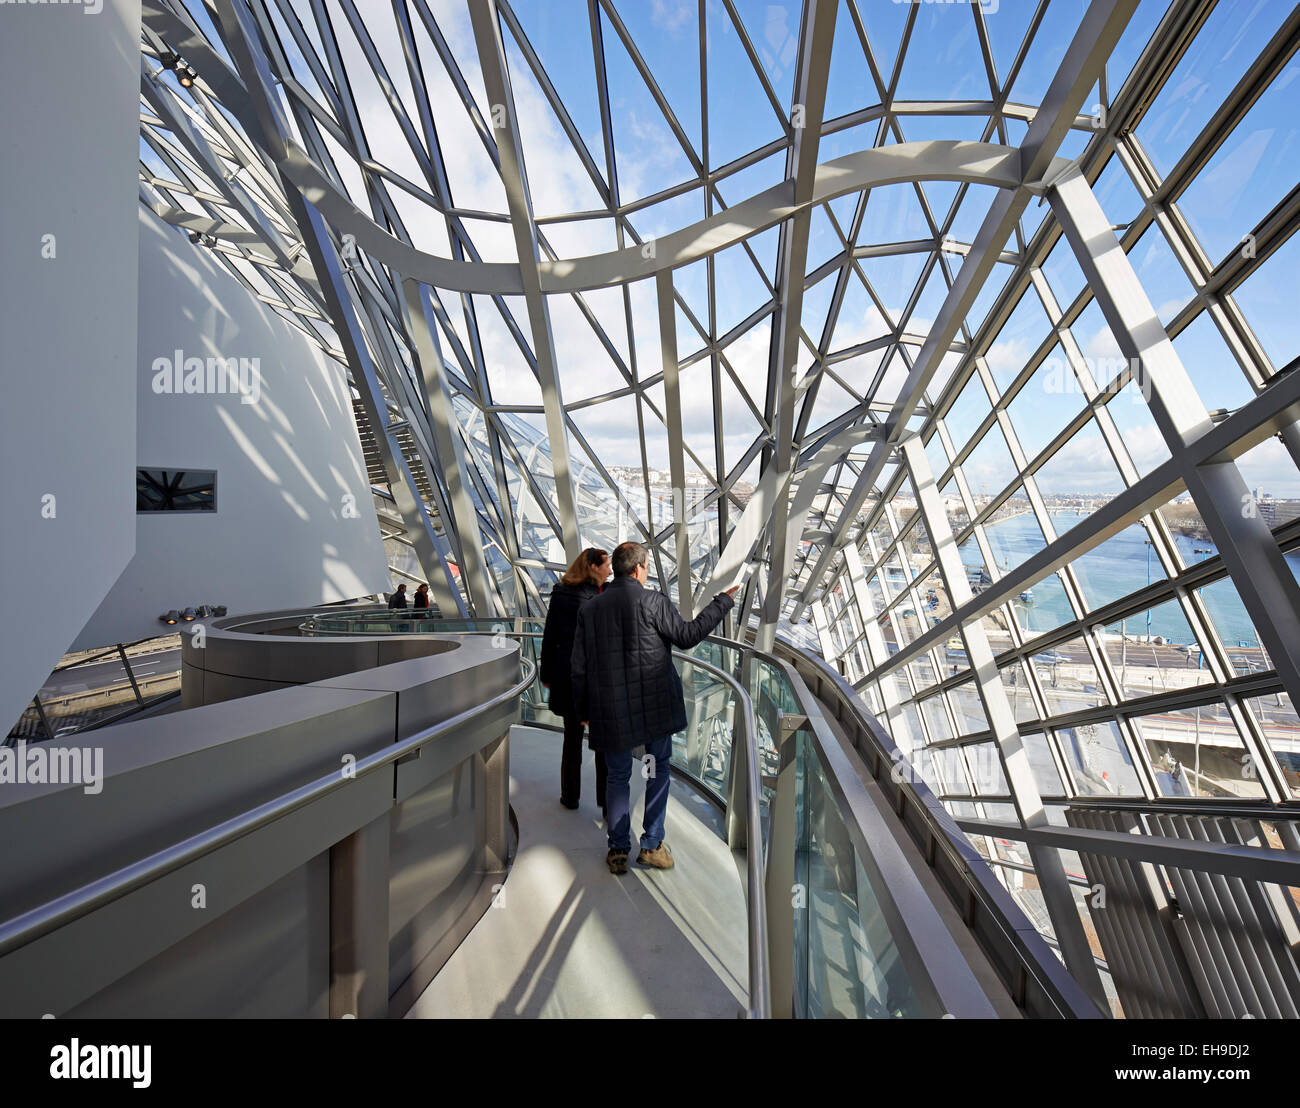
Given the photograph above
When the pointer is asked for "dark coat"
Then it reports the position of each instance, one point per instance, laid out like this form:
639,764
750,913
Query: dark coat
557,642
397,600
624,683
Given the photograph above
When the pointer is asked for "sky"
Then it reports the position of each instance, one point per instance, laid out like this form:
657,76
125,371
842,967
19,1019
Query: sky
1240,184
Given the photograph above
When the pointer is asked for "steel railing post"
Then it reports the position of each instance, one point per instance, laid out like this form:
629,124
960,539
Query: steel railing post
780,876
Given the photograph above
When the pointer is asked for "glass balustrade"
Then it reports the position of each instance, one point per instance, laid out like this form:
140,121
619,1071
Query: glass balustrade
847,962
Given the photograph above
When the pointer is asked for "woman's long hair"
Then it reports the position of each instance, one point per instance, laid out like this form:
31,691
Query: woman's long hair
584,566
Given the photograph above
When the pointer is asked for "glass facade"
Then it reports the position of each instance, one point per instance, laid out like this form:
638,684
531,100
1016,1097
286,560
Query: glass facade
1050,540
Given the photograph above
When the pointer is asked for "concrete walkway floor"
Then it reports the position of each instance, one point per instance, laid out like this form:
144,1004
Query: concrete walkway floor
567,938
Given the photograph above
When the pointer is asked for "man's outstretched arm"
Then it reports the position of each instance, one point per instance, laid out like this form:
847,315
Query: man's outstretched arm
669,622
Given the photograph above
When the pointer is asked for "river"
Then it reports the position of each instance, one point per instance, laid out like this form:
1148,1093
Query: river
1115,569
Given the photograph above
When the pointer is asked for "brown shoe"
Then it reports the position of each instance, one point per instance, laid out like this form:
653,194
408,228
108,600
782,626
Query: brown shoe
659,858
617,861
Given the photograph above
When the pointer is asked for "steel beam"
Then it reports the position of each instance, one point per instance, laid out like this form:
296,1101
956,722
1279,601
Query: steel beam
1028,802
1084,60
1267,588
450,449
496,81
815,38
676,461
244,49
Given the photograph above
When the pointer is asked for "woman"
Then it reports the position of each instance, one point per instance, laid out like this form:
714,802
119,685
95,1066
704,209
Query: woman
583,580
422,597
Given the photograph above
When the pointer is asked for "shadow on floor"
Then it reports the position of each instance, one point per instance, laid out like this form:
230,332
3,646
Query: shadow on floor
567,938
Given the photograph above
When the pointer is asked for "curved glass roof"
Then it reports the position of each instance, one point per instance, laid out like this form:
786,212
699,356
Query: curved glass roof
930,432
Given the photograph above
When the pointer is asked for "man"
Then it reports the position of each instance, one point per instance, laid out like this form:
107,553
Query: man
626,689
398,599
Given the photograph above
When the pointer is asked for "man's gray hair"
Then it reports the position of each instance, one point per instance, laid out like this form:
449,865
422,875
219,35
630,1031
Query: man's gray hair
627,556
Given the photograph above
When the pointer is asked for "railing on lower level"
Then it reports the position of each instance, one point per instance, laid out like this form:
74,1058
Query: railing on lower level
317,848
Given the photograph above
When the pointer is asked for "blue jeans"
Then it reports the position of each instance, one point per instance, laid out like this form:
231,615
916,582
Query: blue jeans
619,765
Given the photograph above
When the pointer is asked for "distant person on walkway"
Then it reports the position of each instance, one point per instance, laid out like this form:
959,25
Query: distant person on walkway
398,599
421,599
626,687
582,581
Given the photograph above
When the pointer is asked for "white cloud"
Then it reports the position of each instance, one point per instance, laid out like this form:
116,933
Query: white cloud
672,15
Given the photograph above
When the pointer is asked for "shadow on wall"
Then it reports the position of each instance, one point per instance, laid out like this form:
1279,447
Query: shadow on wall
226,384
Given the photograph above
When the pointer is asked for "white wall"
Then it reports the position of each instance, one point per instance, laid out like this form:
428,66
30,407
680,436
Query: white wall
69,133
281,535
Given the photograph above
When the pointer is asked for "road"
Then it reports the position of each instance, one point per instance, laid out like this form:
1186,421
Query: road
97,675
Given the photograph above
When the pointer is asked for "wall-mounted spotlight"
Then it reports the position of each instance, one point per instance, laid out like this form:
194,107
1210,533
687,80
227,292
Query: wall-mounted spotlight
184,73
189,615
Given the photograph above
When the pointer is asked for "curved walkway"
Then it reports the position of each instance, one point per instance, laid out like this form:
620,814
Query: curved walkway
567,938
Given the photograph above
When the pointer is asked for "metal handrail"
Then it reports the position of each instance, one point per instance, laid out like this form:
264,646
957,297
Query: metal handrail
46,917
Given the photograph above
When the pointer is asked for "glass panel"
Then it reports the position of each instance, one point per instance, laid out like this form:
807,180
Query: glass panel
1159,653
936,718
704,749
1123,564
951,770
1277,719
1013,534
1044,606
1047,402
1218,56
851,965
1068,678
967,708
1016,685
1234,627
1042,765
1099,760
1269,309
986,769
1197,752
989,468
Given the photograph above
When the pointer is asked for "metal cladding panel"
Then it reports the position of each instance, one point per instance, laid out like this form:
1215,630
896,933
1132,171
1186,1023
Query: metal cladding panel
267,958
69,223
175,775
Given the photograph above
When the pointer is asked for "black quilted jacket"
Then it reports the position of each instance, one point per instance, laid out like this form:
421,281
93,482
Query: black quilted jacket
624,683
557,642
